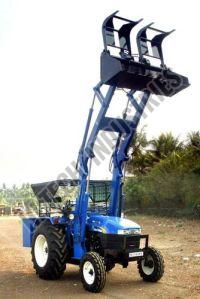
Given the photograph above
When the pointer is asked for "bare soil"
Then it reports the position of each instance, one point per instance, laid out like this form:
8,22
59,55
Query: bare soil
179,241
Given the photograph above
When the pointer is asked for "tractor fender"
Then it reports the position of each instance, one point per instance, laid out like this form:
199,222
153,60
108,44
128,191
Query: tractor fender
29,225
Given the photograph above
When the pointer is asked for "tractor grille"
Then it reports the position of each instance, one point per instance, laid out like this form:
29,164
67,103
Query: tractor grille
118,242
132,242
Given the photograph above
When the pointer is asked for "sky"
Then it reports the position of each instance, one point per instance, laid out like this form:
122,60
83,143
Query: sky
49,64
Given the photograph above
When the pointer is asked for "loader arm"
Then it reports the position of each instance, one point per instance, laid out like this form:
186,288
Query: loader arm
125,130
135,73
120,154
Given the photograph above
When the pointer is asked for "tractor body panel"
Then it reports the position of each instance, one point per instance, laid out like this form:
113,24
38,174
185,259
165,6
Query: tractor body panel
28,226
111,224
117,238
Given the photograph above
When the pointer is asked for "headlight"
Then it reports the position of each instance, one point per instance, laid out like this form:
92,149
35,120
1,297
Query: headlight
71,216
123,231
136,231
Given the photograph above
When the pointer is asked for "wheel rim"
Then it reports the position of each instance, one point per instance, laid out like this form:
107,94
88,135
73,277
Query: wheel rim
148,265
41,250
88,272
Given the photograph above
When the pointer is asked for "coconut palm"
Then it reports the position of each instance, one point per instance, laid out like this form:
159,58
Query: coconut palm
165,145
141,159
193,139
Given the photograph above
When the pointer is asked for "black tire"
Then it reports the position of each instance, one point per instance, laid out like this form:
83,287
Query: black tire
152,267
97,272
56,251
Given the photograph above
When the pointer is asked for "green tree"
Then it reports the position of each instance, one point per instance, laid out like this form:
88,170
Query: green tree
165,145
172,182
141,159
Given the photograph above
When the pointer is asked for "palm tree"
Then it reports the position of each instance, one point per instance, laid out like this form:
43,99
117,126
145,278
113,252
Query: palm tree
194,140
140,158
165,145
146,153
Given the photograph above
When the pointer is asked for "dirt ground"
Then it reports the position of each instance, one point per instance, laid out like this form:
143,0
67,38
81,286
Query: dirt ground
177,239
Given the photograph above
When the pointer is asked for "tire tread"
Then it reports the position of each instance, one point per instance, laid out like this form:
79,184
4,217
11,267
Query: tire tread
159,266
56,263
100,273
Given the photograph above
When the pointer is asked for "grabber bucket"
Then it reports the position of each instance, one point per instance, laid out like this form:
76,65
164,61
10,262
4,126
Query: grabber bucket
137,71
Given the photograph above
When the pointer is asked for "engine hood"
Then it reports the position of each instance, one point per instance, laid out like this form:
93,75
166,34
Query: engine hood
110,224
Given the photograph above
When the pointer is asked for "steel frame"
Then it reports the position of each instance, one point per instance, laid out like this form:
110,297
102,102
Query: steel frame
126,130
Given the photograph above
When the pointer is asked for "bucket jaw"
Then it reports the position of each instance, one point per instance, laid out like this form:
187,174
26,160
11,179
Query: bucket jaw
137,70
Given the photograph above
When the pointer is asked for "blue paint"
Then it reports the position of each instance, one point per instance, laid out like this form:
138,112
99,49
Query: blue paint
28,225
122,126
85,153
111,224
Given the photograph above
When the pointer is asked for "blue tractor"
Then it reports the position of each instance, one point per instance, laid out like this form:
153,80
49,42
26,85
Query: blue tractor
90,231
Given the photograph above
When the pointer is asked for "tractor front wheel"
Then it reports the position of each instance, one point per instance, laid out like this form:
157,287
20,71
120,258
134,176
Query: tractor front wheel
151,268
49,251
93,274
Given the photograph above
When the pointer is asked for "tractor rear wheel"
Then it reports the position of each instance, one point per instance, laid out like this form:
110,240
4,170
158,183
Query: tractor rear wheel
93,274
49,251
151,268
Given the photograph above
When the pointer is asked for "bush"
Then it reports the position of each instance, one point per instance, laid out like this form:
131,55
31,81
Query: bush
172,186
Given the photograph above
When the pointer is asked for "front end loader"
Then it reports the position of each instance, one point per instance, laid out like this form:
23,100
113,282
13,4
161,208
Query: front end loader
89,229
